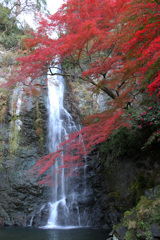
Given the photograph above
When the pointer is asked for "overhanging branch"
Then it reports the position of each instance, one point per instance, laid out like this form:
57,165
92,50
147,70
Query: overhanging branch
103,88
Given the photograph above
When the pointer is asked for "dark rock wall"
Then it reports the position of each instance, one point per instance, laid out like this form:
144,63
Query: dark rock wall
23,140
118,184
23,137
114,185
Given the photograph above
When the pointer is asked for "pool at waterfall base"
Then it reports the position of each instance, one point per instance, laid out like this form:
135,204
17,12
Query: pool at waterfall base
31,233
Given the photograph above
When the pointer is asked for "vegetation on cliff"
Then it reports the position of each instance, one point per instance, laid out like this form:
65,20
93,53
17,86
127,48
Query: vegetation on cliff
111,46
142,221
12,30
114,47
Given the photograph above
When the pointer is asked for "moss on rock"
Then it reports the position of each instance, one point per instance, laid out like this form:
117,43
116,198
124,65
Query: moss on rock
13,137
143,218
39,125
3,104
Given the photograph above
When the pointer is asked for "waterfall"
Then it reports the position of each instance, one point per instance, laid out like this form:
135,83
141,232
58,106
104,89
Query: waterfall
64,208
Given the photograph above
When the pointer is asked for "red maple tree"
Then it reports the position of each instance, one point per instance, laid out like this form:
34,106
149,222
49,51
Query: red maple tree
115,46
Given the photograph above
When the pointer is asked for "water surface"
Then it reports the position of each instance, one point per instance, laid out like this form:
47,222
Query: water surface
30,233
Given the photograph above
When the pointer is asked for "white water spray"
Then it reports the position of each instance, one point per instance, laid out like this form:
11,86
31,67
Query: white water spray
64,209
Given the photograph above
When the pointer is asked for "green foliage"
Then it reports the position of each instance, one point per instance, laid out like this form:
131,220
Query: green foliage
148,123
2,145
139,185
8,59
13,138
3,104
119,202
10,34
123,142
130,235
139,220
10,41
39,125
4,18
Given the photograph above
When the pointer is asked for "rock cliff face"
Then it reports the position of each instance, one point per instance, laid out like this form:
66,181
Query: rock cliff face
22,141
126,188
23,138
115,183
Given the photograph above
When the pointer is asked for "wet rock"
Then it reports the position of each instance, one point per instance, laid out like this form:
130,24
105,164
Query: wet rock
86,201
155,230
1,222
21,195
121,232
115,217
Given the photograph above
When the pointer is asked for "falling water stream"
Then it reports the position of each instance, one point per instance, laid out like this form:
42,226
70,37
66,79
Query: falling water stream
64,209
68,216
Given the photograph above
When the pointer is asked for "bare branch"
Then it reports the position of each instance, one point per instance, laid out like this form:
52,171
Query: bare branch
103,88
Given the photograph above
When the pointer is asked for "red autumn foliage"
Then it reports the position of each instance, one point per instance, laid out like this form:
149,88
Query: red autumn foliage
142,44
80,144
115,45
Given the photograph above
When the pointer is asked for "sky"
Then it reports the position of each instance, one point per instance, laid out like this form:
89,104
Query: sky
53,5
